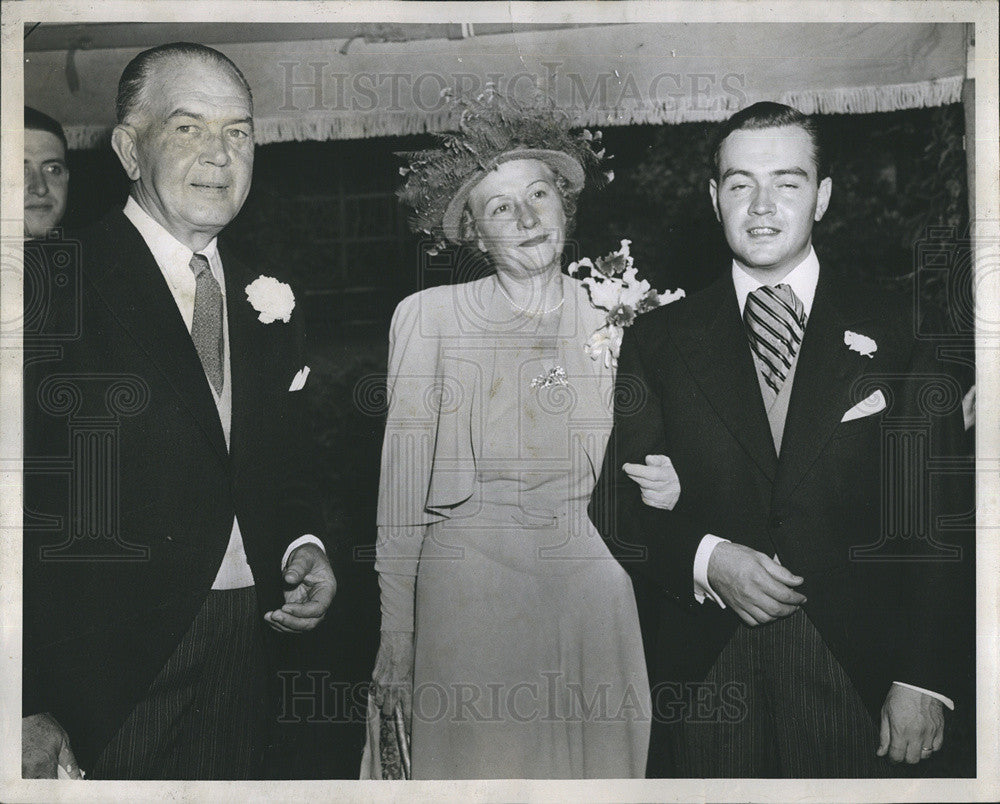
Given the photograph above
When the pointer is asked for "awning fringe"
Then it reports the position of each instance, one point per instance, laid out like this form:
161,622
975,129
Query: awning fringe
362,125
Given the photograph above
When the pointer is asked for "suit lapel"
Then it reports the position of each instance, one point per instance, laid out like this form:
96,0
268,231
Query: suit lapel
825,372
131,285
247,356
713,343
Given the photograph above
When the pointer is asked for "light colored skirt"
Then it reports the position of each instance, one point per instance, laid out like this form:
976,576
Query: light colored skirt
529,660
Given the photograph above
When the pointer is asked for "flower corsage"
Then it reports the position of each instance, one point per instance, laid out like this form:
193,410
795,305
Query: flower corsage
614,286
274,300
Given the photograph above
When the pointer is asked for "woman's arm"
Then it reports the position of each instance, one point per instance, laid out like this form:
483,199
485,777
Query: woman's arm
407,453
393,674
658,542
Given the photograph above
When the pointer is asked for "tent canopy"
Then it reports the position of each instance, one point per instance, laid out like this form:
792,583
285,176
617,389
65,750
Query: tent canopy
349,81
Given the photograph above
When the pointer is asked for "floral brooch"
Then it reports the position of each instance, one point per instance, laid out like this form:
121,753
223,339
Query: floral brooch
555,376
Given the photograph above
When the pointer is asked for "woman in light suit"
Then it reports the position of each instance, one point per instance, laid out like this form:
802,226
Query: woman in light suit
508,630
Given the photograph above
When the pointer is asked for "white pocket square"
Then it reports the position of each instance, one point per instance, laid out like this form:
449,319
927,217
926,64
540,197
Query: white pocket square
866,407
299,380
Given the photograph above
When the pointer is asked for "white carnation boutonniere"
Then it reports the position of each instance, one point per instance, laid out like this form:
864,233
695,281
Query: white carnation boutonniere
862,344
274,300
614,286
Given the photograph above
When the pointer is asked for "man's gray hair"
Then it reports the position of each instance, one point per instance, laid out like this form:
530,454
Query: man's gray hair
138,72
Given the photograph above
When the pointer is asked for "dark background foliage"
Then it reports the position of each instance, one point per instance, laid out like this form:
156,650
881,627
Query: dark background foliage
324,214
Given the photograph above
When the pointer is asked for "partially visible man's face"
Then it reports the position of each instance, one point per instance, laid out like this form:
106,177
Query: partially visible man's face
193,149
46,182
768,197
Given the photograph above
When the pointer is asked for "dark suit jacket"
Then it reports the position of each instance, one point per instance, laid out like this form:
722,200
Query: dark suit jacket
123,440
899,610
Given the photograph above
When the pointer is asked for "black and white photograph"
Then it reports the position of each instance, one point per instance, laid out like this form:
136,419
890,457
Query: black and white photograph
500,401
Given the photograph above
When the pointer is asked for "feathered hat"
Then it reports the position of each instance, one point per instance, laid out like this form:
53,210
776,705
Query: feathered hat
493,129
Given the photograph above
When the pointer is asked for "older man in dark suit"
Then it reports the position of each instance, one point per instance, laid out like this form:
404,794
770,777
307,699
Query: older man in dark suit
150,574
805,611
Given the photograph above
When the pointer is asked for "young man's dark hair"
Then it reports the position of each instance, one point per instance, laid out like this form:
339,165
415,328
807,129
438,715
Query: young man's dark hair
39,121
767,114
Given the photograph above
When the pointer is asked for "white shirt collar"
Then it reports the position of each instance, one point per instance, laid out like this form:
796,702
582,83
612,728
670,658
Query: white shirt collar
166,248
174,259
802,279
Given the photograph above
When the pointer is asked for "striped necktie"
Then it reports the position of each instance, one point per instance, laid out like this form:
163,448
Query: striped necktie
206,326
775,321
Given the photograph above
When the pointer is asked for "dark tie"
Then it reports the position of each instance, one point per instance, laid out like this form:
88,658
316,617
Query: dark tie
206,326
775,321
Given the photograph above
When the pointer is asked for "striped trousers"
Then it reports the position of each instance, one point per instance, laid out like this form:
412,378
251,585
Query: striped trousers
203,716
798,714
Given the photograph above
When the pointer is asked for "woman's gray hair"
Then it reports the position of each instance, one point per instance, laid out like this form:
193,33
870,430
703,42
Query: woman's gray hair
566,193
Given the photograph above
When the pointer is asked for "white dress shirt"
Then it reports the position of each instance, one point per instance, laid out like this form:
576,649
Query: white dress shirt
802,279
174,261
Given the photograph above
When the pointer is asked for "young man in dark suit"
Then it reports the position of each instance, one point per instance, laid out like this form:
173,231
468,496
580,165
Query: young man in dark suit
182,521
806,613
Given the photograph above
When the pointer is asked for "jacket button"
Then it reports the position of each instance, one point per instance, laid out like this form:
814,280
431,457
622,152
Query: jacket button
777,522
